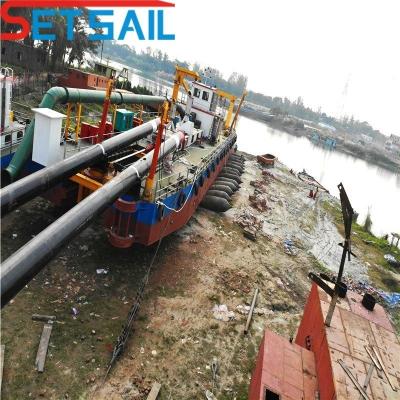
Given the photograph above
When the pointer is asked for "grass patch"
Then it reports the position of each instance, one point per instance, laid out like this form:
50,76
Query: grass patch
370,248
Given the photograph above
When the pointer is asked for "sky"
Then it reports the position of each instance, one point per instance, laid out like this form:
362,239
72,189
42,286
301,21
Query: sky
342,56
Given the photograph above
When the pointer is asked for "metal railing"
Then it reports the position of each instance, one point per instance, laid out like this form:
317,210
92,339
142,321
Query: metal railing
183,179
80,143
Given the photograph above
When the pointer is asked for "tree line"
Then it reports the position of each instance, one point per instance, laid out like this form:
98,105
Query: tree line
61,51
155,61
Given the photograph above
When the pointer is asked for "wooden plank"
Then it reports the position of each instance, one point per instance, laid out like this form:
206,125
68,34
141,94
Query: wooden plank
2,349
154,391
43,345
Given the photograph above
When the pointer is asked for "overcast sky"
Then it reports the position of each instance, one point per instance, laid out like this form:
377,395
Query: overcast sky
342,55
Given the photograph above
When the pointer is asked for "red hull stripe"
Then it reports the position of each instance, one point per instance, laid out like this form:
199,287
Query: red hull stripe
149,234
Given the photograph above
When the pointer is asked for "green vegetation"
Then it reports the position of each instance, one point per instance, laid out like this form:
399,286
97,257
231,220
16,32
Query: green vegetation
371,249
61,49
368,222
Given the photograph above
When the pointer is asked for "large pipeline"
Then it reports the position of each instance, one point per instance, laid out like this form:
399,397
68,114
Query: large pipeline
64,95
25,263
30,186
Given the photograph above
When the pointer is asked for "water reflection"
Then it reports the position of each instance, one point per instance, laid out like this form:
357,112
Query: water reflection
367,185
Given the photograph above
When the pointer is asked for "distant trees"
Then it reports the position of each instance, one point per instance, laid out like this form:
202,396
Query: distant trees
153,61
61,49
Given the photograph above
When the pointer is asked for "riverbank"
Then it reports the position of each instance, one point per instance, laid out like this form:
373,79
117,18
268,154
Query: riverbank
177,335
370,154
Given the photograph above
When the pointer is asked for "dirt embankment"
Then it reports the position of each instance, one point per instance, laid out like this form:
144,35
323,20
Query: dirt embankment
177,335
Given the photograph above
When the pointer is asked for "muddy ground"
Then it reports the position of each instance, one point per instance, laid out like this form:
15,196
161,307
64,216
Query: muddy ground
176,336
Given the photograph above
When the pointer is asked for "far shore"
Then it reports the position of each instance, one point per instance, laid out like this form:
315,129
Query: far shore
352,149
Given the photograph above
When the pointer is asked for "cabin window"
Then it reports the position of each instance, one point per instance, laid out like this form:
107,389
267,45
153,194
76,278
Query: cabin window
196,92
205,95
7,139
3,51
270,395
20,134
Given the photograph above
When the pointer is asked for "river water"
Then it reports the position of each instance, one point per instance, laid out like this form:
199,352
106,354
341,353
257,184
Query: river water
368,186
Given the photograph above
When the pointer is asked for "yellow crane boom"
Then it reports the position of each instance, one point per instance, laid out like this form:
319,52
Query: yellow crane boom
232,100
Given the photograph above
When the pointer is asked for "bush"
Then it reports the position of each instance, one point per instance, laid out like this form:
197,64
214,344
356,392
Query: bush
368,222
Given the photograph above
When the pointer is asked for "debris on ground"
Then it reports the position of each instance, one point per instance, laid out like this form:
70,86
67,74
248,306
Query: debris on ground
244,309
391,260
101,271
155,389
389,257
222,313
246,218
210,396
74,312
250,223
43,346
259,201
289,247
392,299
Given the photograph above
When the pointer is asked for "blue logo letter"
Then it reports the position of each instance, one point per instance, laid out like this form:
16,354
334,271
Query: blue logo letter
161,35
37,25
70,16
131,16
94,24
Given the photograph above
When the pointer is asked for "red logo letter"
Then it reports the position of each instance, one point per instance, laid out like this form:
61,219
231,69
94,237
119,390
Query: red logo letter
25,25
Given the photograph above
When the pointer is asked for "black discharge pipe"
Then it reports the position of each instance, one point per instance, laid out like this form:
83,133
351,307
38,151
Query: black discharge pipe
25,263
30,186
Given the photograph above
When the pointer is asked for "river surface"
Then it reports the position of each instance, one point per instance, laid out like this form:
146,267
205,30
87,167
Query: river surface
368,186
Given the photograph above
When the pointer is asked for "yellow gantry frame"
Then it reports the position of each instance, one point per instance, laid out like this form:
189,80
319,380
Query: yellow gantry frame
180,75
232,100
148,193
233,126
68,121
78,123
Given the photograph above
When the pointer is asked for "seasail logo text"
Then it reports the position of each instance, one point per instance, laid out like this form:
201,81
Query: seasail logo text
146,24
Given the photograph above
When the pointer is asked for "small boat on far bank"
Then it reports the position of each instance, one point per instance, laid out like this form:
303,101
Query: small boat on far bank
267,159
